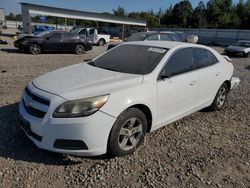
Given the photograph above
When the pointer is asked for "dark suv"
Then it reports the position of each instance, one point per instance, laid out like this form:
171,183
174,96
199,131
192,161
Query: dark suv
47,41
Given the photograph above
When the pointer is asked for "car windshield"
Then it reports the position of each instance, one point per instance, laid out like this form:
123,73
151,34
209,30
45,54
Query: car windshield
137,37
174,37
243,44
77,30
42,34
132,59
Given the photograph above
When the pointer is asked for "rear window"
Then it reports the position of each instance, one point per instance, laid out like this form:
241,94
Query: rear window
137,37
69,35
132,59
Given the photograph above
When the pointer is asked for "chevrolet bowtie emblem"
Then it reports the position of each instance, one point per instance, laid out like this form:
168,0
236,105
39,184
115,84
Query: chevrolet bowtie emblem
28,101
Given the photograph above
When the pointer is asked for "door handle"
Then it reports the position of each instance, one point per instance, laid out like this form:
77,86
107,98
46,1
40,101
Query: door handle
217,74
193,83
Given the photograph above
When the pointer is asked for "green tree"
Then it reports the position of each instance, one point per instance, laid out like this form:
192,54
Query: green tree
11,16
119,11
182,11
220,13
243,11
198,18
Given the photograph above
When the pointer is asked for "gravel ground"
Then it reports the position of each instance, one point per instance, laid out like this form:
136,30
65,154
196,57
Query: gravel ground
206,149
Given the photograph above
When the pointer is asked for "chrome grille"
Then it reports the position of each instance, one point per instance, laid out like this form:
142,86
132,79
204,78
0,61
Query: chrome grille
34,104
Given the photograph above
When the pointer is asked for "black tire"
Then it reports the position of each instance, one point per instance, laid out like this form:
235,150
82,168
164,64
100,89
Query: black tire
80,49
35,49
220,98
101,42
127,133
246,54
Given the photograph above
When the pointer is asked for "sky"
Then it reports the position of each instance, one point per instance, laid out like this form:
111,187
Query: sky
96,5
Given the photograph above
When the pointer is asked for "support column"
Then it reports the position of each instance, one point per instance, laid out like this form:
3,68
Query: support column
26,19
123,32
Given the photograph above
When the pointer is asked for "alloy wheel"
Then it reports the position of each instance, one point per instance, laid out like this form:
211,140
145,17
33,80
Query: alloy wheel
221,97
35,49
130,134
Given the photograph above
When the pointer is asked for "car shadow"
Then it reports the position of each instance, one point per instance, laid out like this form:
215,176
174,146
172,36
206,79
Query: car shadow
15,145
7,35
11,50
15,50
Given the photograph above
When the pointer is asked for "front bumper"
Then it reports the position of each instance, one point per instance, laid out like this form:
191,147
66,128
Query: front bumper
235,81
234,53
20,46
93,131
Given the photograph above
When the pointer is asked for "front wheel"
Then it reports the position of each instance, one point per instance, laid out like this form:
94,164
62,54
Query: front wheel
35,49
127,133
79,49
220,98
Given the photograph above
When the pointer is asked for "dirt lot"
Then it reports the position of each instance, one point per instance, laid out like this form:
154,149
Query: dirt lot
206,149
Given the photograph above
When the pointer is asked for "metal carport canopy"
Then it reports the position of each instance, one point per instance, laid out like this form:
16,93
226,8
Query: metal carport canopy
28,8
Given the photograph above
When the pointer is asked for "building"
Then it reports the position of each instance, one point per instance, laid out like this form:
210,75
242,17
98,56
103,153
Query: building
28,8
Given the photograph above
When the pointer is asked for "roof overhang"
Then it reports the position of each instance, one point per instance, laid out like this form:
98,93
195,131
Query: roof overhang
76,14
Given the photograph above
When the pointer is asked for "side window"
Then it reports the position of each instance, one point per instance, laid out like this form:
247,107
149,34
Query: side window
82,32
69,35
152,37
91,31
56,35
203,58
180,62
165,37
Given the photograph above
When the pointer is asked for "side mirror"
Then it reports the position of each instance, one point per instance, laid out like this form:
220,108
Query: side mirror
47,38
163,76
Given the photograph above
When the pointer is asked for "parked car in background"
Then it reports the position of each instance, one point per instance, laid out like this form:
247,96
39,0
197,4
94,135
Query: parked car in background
93,35
111,102
48,41
149,36
36,29
240,48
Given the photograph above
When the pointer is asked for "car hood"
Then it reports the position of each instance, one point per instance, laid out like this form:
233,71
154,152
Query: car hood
235,48
83,80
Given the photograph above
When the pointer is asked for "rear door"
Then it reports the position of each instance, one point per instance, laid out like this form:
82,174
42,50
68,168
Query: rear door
69,41
93,35
53,42
210,74
177,93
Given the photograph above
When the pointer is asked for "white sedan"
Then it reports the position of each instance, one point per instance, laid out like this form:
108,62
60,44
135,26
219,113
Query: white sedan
108,104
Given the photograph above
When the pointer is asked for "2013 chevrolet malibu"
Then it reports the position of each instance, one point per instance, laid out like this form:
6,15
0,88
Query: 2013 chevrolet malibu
111,102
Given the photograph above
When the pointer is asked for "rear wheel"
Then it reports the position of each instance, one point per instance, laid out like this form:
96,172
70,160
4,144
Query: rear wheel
127,133
101,42
35,49
79,49
220,98
245,54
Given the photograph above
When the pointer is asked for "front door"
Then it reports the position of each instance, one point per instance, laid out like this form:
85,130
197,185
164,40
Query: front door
177,88
53,42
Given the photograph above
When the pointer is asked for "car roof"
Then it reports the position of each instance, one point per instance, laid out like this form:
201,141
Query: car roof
163,44
152,32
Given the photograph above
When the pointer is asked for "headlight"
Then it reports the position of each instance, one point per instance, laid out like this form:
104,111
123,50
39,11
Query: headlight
80,108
